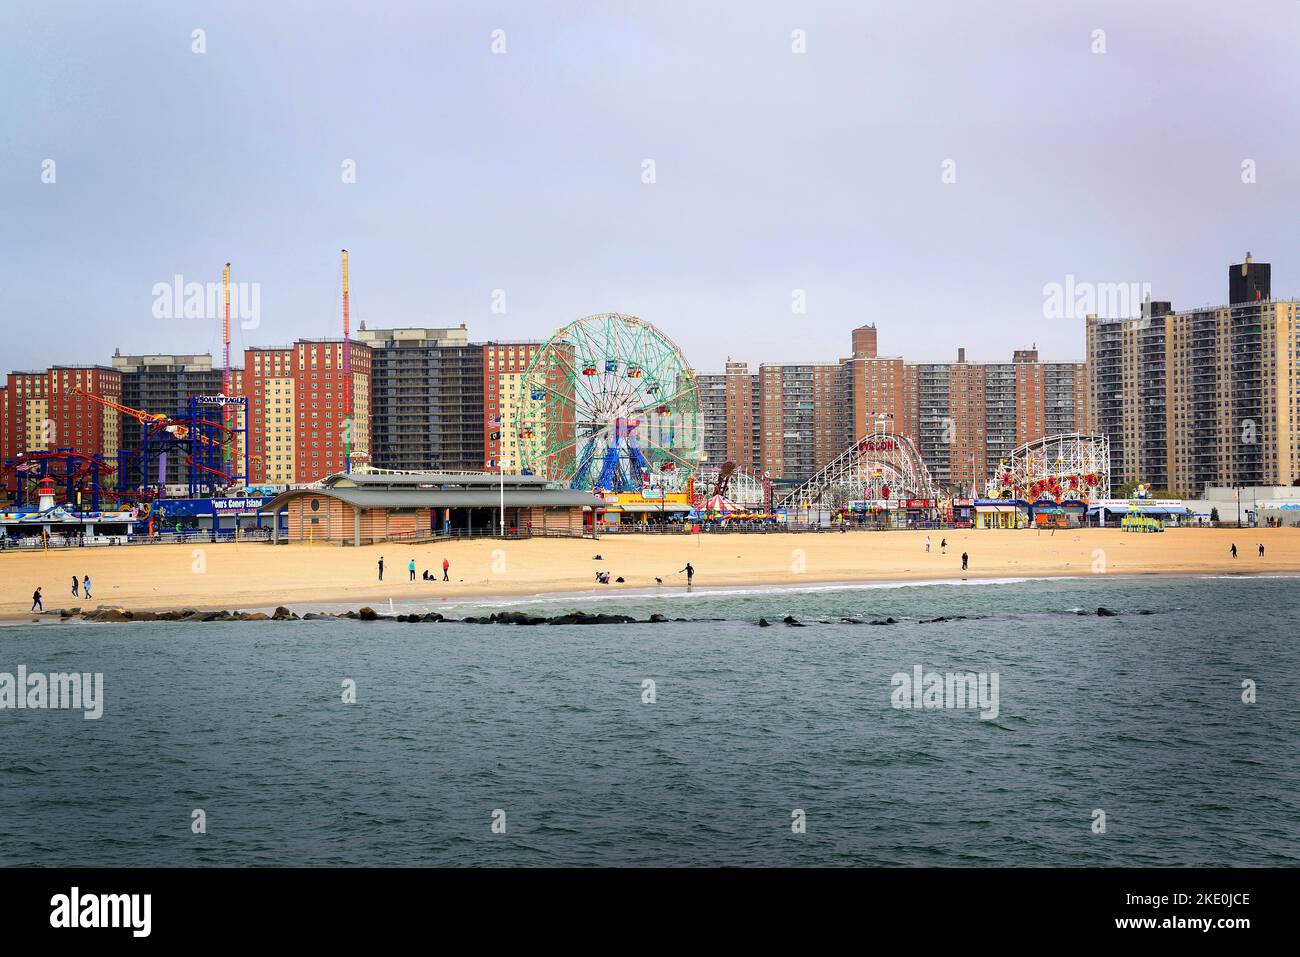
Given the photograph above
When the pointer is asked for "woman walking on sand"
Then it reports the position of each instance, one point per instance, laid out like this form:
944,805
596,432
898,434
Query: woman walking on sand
1234,549
943,546
927,544
74,586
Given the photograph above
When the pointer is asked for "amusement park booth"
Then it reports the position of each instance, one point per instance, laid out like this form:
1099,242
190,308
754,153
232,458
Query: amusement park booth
208,515
64,523
891,512
649,506
364,508
1169,512
1067,513
961,512
1001,513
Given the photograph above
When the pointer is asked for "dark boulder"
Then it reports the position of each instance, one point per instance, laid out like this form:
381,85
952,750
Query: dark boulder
367,614
1107,613
764,623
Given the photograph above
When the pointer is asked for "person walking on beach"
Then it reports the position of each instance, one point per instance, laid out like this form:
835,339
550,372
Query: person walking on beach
381,567
927,544
1234,549
74,586
36,600
446,565
965,559
1261,554
690,573
412,568
943,546
85,587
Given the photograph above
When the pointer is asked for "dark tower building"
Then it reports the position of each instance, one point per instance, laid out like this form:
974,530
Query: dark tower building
161,384
426,395
1249,281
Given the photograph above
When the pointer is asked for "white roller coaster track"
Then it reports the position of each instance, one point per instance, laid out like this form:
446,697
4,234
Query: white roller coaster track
745,487
877,463
1069,466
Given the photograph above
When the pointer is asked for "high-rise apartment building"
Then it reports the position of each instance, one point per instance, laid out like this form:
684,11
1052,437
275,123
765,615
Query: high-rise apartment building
964,417
799,420
302,420
426,399
46,411
874,391
713,416
1205,396
502,390
163,385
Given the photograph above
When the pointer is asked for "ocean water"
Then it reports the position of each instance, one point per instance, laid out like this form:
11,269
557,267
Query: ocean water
1137,716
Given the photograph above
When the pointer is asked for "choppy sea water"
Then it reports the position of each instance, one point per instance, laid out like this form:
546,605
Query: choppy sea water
1139,716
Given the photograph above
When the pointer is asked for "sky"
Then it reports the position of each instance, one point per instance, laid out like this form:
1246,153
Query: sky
929,167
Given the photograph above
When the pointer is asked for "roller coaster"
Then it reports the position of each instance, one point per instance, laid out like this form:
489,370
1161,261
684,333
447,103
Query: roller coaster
1072,466
211,451
882,466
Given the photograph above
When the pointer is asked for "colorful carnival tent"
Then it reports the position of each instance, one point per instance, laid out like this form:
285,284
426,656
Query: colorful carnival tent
719,505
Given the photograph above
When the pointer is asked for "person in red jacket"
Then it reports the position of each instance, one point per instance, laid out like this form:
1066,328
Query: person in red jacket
445,565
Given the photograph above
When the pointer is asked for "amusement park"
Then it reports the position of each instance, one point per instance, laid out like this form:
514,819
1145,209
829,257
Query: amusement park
608,423
63,495
612,408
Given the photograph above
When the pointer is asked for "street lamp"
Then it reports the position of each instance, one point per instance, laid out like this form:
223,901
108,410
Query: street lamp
502,470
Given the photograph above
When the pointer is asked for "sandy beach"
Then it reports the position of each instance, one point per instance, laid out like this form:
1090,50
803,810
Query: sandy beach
258,575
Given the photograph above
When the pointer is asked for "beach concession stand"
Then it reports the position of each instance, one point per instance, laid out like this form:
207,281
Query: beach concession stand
1111,512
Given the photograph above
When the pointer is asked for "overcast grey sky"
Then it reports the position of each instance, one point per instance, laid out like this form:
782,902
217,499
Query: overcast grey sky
522,171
